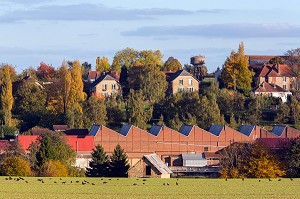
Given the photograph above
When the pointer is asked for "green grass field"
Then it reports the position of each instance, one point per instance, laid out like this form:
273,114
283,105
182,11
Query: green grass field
152,188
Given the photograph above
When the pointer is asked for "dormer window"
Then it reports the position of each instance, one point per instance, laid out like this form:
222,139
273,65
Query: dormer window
181,82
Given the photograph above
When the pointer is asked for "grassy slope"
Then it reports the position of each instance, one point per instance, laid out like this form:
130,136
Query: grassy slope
124,188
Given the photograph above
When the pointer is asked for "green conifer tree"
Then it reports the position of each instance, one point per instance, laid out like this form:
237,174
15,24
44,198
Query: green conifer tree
119,162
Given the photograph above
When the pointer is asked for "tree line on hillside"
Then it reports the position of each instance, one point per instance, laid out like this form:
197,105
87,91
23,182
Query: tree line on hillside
46,96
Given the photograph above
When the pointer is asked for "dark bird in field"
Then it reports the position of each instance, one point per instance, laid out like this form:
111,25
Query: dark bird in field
176,183
168,184
83,183
164,183
43,181
137,179
279,179
60,178
258,180
291,179
104,182
77,181
134,184
10,178
243,179
226,179
117,178
64,182
26,181
109,179
6,178
55,182
143,183
93,183
270,180
71,181
39,179
50,178
101,178
144,180
21,178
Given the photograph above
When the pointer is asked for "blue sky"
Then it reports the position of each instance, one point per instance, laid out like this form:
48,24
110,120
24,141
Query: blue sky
50,30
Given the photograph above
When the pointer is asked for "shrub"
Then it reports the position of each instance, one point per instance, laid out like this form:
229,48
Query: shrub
53,168
15,166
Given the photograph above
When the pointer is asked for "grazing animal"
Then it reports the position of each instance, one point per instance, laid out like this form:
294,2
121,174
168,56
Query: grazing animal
104,182
270,180
291,179
77,181
258,180
43,181
71,181
143,183
168,184
134,184
279,179
83,183
226,179
101,178
26,181
55,182
117,178
144,180
93,183
63,182
6,178
176,183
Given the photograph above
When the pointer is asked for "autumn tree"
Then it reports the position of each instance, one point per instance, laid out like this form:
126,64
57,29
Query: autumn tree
98,164
172,64
262,164
150,58
45,72
6,95
102,64
65,82
236,73
53,168
119,162
75,116
76,90
15,166
126,57
94,111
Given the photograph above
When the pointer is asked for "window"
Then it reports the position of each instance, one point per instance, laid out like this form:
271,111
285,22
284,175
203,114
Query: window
180,90
190,89
113,86
284,78
190,82
284,87
148,170
181,82
104,87
206,148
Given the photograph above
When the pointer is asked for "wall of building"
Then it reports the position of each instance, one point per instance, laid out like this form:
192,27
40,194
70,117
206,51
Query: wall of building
101,92
175,84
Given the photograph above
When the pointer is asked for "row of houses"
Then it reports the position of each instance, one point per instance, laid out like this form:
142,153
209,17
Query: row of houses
277,80
189,148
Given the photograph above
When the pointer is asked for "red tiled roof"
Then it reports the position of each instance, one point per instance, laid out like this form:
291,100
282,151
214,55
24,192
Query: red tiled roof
263,57
269,88
270,70
115,74
94,74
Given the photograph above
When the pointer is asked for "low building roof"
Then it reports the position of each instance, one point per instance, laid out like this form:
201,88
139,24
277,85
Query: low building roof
94,130
125,129
39,131
60,127
158,164
269,88
278,130
196,156
155,129
78,132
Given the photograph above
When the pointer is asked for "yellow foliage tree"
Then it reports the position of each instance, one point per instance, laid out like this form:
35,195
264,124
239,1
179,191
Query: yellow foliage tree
53,168
6,94
236,71
102,64
15,166
76,90
65,81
